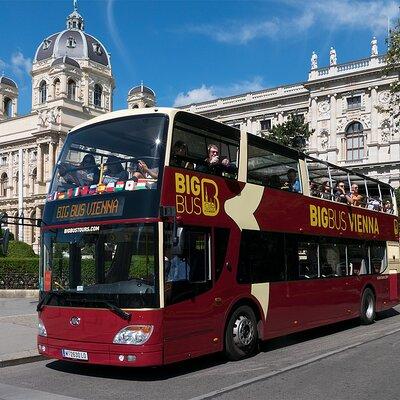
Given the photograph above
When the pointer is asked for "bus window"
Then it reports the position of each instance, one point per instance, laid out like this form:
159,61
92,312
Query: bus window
320,184
357,259
204,150
261,258
307,260
221,240
377,254
332,259
267,168
187,263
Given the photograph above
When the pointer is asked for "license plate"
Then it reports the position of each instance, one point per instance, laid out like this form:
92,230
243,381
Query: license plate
75,355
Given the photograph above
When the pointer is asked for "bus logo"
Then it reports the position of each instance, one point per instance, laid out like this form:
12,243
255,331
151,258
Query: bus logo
75,321
196,196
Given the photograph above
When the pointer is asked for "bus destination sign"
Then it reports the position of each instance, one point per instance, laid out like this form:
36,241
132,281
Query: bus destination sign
89,209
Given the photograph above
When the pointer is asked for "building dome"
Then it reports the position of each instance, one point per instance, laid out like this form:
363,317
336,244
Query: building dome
7,81
66,60
141,89
73,43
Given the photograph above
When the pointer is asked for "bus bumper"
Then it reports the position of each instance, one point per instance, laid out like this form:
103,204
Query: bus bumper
102,353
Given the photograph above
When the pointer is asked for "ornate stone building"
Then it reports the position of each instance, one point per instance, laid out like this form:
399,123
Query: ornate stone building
341,103
72,81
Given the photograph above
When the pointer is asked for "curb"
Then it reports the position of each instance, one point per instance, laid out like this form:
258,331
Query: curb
19,293
22,360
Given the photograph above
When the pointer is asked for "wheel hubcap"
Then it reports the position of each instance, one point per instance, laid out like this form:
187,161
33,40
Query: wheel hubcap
243,331
369,307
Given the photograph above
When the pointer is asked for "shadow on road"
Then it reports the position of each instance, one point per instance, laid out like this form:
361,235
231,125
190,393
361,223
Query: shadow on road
201,363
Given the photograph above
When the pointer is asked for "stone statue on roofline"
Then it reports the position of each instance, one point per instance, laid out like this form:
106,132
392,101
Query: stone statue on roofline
374,47
332,57
314,60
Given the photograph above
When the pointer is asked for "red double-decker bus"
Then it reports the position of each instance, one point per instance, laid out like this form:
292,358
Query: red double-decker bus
167,236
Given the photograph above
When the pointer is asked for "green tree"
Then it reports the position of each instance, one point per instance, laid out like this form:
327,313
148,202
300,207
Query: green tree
293,133
393,68
397,193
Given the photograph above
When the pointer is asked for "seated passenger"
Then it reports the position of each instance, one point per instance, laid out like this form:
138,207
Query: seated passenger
142,171
178,154
89,173
354,197
314,189
114,171
293,183
213,165
340,194
326,191
274,182
387,207
373,203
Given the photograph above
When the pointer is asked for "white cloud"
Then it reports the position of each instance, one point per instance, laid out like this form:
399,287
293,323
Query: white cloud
20,65
206,93
198,95
333,14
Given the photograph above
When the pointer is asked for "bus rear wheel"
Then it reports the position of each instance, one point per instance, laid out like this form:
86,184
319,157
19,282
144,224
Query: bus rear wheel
367,313
241,335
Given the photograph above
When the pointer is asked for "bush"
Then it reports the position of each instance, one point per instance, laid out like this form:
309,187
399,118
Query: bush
18,249
19,265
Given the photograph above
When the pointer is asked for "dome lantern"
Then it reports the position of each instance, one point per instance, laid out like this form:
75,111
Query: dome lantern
75,20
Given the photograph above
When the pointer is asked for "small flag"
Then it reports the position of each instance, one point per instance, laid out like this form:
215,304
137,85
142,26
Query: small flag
110,187
70,193
84,190
130,185
92,189
119,186
141,184
60,195
101,188
77,191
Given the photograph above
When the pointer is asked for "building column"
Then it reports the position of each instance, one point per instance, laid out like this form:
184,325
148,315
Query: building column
26,172
333,121
39,165
51,159
374,114
10,174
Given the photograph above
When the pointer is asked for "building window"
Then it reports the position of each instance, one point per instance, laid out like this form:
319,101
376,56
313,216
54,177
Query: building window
298,118
3,160
354,102
57,85
7,107
71,89
46,44
71,42
97,95
266,124
97,48
3,184
42,92
354,142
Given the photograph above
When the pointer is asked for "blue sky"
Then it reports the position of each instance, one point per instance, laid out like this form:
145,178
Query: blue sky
190,51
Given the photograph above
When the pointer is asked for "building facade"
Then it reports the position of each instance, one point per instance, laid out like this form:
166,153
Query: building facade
343,103
72,82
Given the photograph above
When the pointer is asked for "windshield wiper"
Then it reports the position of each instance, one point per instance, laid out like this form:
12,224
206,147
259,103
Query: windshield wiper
112,307
45,300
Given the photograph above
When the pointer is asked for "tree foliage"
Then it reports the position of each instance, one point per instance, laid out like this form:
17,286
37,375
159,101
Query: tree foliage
393,67
293,133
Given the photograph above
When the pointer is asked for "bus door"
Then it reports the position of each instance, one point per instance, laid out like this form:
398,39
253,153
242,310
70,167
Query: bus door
189,314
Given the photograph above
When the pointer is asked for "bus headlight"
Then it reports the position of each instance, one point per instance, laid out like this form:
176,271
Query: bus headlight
134,334
41,328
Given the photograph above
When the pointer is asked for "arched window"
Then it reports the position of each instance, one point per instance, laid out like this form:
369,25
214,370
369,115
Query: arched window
354,142
7,107
97,95
135,106
71,89
3,185
43,92
57,85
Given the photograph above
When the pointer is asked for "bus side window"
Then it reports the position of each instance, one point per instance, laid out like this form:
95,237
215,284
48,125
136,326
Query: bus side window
378,258
221,240
261,258
308,260
187,265
357,259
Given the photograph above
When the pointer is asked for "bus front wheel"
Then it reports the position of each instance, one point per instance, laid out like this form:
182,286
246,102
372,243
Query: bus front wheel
241,335
368,312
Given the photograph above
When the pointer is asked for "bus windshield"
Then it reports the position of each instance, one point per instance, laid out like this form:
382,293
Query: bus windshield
114,263
103,157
